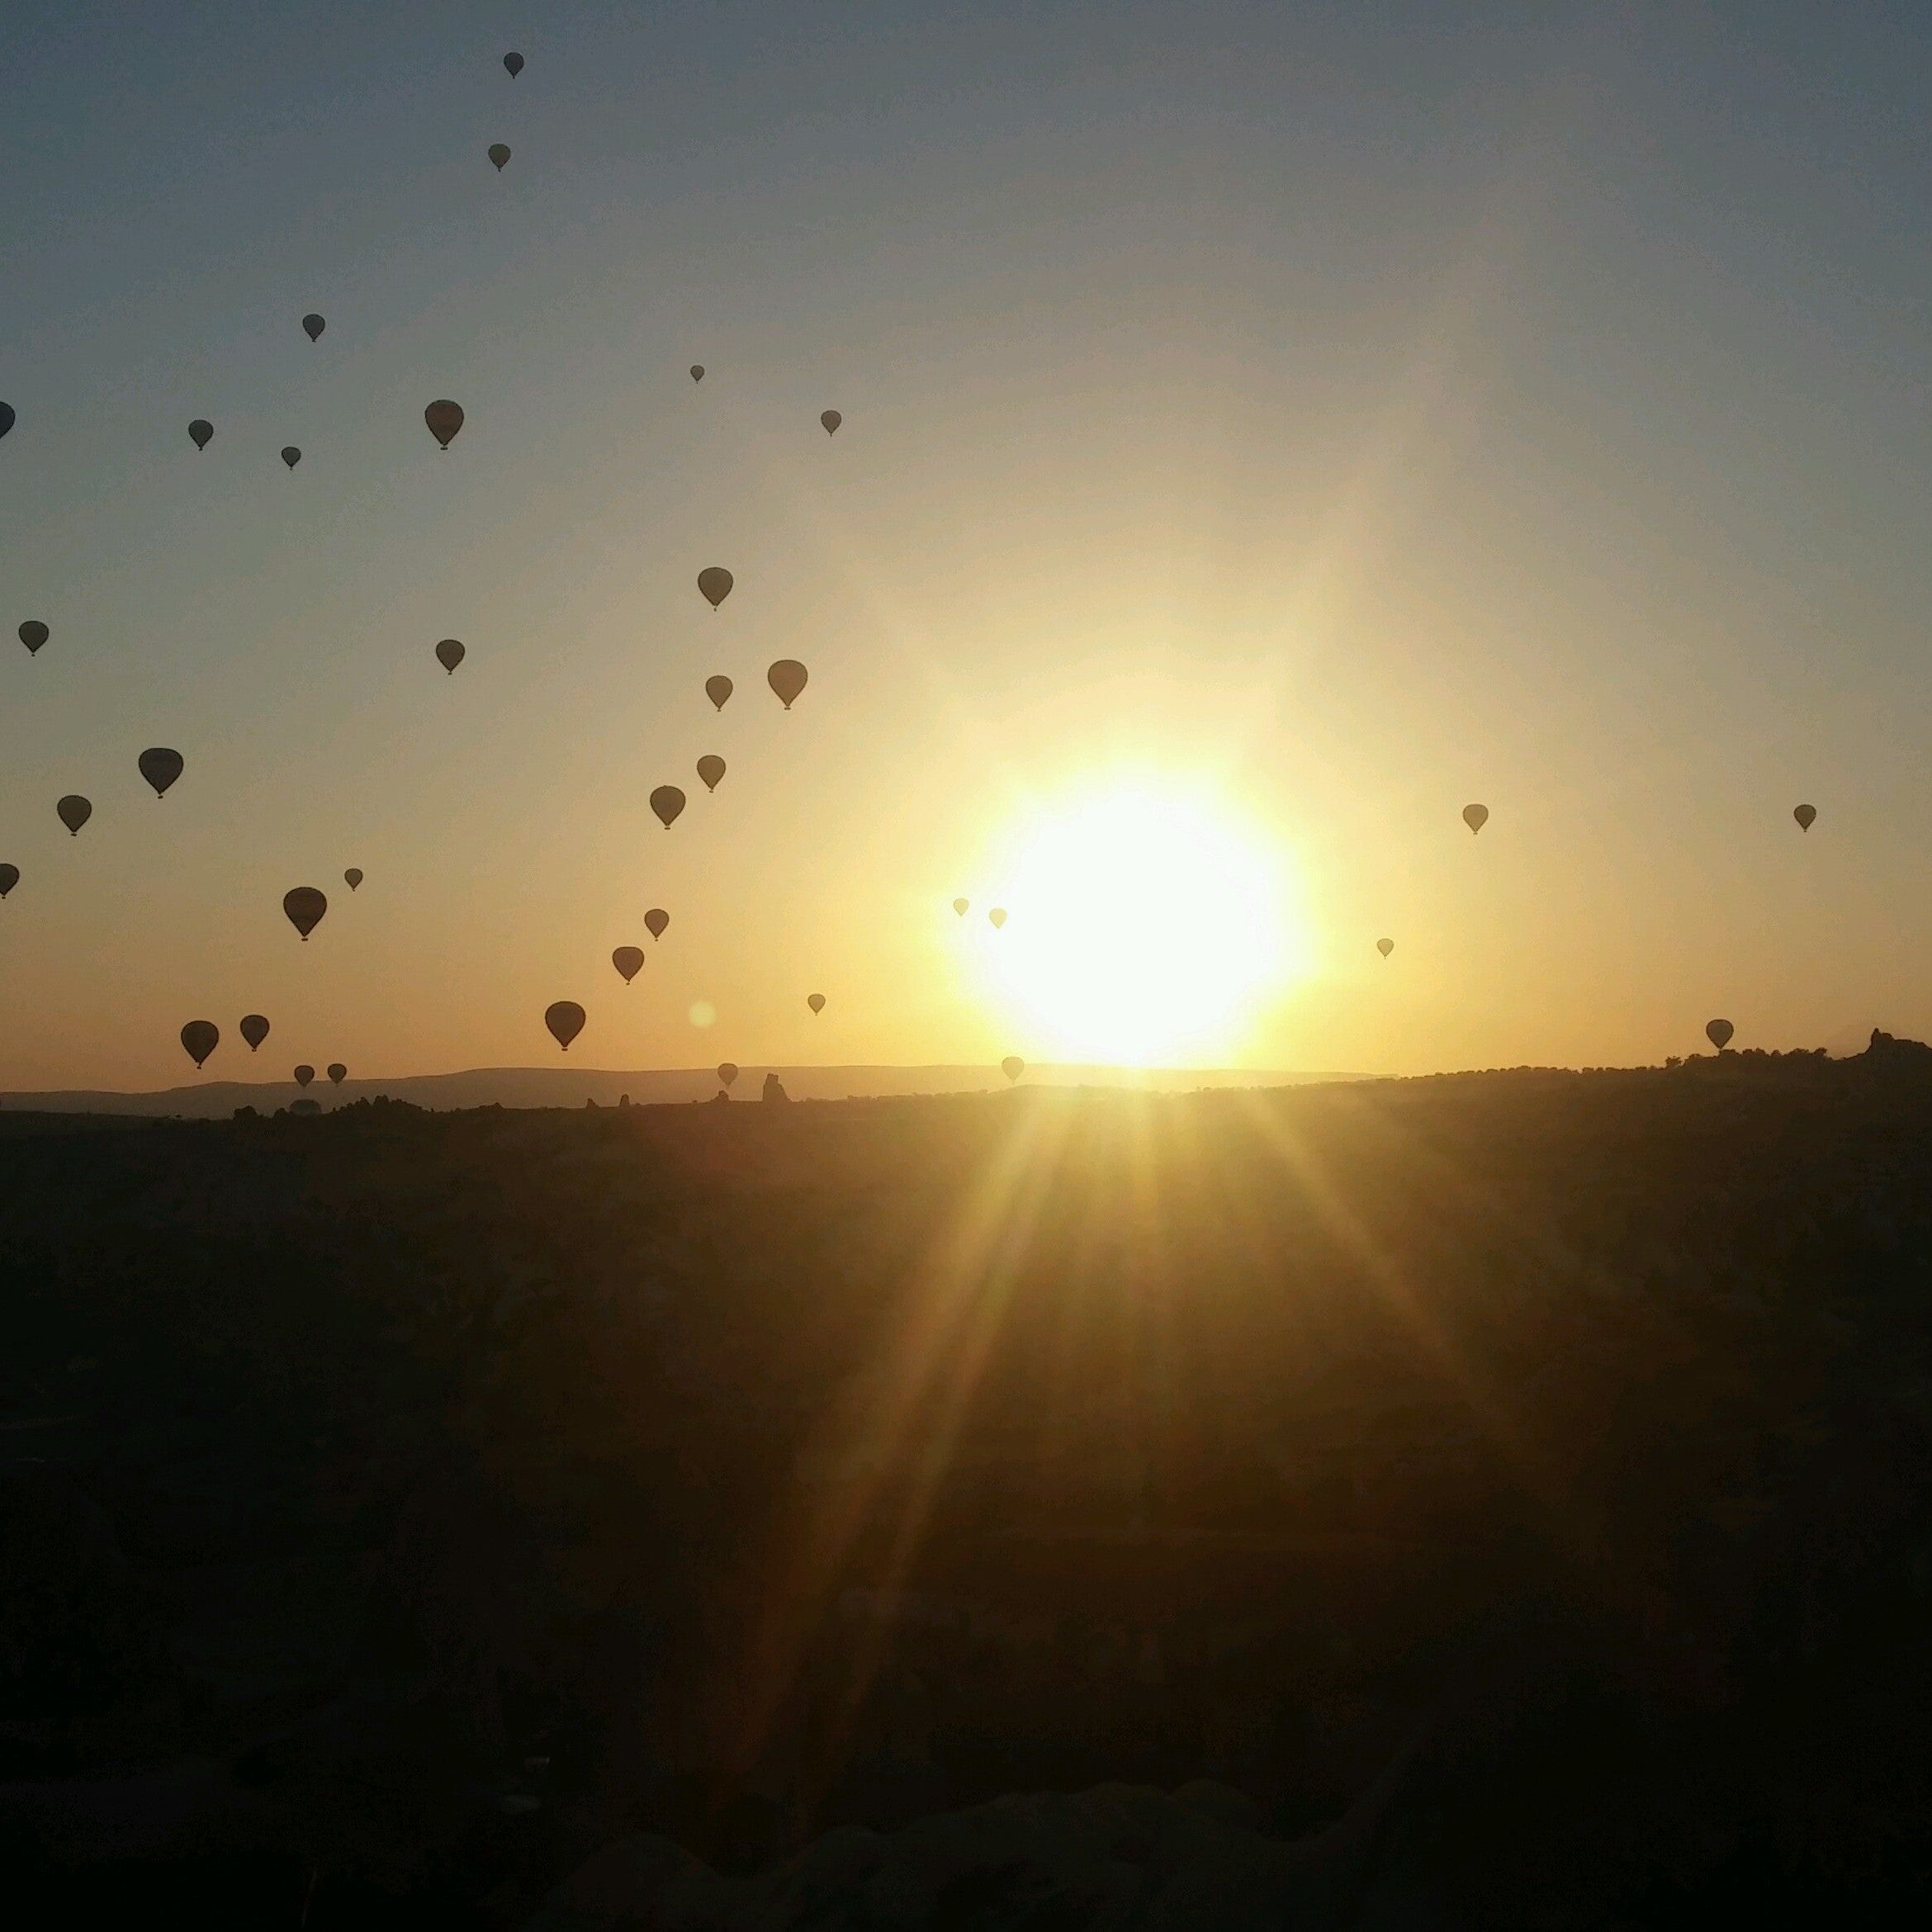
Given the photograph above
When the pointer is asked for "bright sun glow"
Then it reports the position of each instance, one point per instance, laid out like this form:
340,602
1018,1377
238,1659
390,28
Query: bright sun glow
1144,926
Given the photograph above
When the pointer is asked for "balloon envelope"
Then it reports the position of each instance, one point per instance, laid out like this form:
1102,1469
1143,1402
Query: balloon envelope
291,455
718,689
336,1071
33,633
696,371
657,919
960,906
7,418
627,960
667,802
714,584
254,1029
75,812
314,325
9,879
449,654
201,431
160,767
1012,1066
1806,815
816,1001
1384,947
499,154
444,416
727,1073
1719,1033
1475,816
831,419
305,907
513,65
787,678
998,916
201,1038
352,877
565,1018
711,768
304,1075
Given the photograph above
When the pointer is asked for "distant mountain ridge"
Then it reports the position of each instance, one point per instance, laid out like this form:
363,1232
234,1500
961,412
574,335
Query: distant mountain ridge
571,1086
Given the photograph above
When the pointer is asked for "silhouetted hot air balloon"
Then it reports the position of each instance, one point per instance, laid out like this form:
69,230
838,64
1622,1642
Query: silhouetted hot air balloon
696,371
313,326
33,633
513,65
726,1073
305,907
656,919
787,678
1384,947
254,1029
718,689
202,432
1012,1066
711,768
160,767
75,812
352,877
1475,816
337,1073
291,455
628,961
1719,1033
9,879
304,1075
499,154
7,418
998,916
960,906
565,1018
714,584
667,802
831,419
444,418
201,1038
816,1001
1806,815
449,654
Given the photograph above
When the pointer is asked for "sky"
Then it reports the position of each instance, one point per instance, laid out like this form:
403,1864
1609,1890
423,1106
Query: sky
1294,421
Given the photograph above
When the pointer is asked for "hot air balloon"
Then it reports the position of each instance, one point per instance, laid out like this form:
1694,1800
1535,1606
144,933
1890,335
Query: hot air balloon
9,879
1719,1033
657,919
444,418
628,961
160,767
499,154
352,877
305,907
831,419
291,455
787,678
337,1073
1475,816
7,418
816,1001
667,802
75,812
33,633
727,1073
513,65
201,1038
449,654
696,371
313,325
1806,815
718,689
711,768
565,1018
200,432
960,906
1012,1066
254,1029
304,1075
1384,947
998,916
714,584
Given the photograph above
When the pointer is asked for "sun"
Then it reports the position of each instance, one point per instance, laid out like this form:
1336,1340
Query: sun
1146,923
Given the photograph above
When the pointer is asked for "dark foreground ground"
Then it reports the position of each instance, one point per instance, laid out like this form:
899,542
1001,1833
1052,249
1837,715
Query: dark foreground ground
1496,1501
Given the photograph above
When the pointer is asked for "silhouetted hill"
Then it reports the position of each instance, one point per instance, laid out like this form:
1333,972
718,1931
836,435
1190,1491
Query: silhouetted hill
1498,1499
